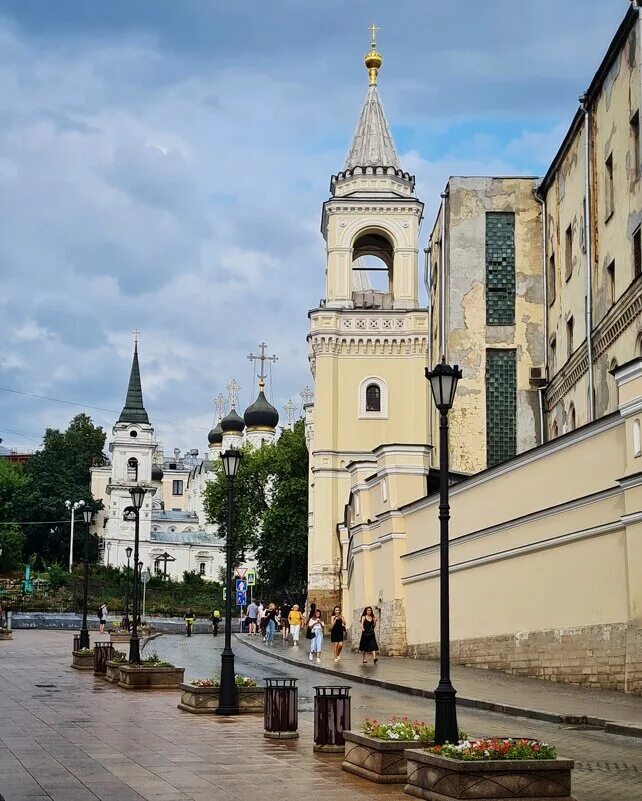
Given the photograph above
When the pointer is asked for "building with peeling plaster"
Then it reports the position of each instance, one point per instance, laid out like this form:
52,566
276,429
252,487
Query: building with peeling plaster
535,290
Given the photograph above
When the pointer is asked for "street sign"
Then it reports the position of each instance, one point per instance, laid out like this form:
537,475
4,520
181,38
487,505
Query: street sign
145,576
241,598
251,577
241,586
240,572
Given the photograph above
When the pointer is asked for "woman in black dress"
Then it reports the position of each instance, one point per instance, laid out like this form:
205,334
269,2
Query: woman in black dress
337,632
368,643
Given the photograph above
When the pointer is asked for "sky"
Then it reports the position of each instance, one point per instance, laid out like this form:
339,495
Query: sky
163,164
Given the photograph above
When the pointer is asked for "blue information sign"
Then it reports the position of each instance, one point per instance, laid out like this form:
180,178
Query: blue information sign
241,585
241,598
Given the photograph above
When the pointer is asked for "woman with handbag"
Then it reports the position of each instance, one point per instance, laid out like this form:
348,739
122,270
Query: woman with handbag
315,635
337,632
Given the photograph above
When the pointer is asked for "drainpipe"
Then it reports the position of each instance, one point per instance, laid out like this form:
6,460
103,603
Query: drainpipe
442,277
430,355
541,199
584,103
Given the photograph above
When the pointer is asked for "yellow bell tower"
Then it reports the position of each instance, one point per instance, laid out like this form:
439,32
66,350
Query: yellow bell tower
368,339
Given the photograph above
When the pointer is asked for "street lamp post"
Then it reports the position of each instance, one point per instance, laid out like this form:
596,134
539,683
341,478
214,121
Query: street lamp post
443,383
72,508
84,631
138,496
128,554
140,594
228,702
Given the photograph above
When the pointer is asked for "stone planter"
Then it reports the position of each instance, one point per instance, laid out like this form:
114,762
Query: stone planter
143,677
6,634
112,671
381,761
439,778
82,661
119,636
204,700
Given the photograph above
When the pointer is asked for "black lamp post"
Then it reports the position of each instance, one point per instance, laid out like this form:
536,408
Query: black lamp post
140,594
128,554
84,631
228,702
138,496
443,382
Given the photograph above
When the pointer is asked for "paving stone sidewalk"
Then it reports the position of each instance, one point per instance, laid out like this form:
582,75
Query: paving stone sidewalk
616,712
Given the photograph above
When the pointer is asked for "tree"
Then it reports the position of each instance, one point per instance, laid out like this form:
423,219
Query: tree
12,487
12,542
57,472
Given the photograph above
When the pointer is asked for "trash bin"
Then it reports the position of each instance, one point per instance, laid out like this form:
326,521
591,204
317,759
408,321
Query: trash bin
331,718
281,717
102,653
76,642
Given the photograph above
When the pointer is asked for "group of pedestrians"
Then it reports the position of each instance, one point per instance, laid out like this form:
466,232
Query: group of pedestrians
266,620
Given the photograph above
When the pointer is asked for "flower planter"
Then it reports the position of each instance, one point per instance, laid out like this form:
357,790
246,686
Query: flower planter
82,661
144,677
6,634
112,671
119,636
381,761
440,778
204,700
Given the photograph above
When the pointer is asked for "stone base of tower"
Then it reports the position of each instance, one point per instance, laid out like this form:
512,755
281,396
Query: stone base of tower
391,629
325,600
324,587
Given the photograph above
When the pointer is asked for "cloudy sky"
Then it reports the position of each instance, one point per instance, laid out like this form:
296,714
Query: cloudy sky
163,165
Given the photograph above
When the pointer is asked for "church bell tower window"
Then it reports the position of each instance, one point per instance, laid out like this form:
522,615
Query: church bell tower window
132,470
373,398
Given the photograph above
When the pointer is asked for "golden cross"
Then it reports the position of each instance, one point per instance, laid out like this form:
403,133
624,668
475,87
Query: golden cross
373,30
233,388
219,405
136,334
290,409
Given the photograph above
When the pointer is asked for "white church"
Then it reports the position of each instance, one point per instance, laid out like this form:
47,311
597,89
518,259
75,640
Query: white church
174,535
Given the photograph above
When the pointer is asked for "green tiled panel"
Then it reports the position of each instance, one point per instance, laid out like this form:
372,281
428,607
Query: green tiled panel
500,268
501,405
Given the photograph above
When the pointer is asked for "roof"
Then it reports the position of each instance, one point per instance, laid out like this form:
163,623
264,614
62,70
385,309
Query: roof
168,515
372,145
261,413
134,409
186,538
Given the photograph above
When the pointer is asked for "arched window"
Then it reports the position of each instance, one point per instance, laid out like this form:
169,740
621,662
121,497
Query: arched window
373,398
132,469
201,569
554,430
613,394
373,258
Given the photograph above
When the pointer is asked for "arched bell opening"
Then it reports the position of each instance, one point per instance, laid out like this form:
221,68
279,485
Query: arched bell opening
372,265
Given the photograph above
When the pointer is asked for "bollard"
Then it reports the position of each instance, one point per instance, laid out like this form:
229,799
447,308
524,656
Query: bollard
331,718
76,642
102,653
281,716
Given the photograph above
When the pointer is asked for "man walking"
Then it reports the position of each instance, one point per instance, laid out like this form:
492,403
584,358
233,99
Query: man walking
252,615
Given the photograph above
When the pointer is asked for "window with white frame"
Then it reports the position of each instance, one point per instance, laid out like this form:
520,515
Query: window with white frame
373,398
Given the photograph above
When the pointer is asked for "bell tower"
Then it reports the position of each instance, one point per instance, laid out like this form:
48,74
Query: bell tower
368,339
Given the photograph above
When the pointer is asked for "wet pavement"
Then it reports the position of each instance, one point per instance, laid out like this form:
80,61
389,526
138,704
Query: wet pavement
68,736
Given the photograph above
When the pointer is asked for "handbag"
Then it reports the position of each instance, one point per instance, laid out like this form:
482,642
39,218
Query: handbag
308,633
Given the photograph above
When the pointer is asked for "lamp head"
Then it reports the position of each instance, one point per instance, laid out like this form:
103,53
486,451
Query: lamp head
231,461
128,552
138,495
443,383
87,512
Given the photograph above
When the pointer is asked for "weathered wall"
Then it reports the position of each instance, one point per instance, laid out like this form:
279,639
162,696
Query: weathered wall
468,335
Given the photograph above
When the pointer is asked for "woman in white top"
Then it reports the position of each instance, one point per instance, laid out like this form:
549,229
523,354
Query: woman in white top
102,618
316,627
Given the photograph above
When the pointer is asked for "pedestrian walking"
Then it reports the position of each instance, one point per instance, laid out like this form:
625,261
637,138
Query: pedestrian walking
261,619
315,628
270,624
102,617
295,619
216,621
337,632
252,615
189,618
368,643
284,613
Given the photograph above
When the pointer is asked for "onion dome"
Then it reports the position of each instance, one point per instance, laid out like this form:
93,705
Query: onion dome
232,423
261,414
157,472
215,437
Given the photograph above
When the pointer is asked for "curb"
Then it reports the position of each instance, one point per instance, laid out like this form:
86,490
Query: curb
609,727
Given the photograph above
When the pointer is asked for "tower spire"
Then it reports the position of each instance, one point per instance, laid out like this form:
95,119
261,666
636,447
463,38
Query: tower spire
134,409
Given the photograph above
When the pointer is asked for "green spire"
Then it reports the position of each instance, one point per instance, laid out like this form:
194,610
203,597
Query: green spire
134,410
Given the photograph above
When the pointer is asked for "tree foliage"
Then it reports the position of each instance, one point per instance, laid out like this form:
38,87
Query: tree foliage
271,510
54,474
12,542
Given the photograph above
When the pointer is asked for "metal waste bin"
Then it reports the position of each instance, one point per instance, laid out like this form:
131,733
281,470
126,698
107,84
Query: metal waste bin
76,642
281,717
102,653
331,718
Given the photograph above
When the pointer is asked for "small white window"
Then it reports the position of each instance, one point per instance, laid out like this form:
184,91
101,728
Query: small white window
384,490
373,398
637,446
